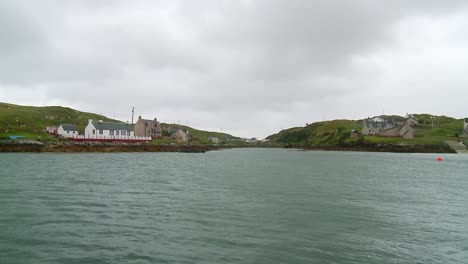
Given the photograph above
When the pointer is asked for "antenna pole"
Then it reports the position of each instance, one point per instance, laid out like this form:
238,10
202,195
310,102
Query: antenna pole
133,112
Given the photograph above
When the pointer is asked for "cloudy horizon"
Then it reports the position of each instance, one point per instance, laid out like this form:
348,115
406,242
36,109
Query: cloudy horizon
248,68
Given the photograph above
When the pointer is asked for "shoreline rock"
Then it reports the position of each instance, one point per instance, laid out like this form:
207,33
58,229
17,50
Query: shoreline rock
90,147
100,147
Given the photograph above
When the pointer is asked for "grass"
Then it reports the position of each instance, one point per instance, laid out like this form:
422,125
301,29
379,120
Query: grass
30,122
320,133
200,136
338,132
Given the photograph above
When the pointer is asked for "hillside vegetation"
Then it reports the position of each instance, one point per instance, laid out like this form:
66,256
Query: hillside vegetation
199,136
30,121
338,132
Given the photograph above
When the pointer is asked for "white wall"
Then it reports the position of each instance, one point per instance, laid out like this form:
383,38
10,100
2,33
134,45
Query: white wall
64,133
105,133
89,130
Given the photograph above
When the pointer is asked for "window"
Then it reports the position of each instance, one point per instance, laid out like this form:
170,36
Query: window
111,132
124,133
68,132
128,133
117,132
100,131
94,131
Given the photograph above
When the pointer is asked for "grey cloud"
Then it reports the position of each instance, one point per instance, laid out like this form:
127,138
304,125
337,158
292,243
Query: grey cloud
228,64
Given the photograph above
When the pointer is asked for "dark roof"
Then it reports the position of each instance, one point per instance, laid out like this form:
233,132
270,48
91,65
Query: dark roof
68,127
147,121
466,120
112,126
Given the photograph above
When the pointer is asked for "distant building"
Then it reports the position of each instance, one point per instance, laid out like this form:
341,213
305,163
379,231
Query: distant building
373,126
213,140
181,135
251,140
148,128
67,131
385,128
52,130
465,128
108,129
378,119
354,133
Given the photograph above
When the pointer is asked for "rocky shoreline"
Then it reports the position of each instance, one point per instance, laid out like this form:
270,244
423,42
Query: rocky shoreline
68,147
442,148
83,147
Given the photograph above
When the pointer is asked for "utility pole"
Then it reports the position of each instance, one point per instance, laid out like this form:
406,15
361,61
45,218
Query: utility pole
133,111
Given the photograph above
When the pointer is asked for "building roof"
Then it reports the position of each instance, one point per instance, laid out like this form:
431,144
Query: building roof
112,126
68,127
147,121
370,123
466,120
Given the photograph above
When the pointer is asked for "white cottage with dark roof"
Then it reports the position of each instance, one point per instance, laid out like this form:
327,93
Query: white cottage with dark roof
67,131
102,129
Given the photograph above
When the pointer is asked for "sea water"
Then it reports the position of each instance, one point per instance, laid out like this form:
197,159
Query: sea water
234,206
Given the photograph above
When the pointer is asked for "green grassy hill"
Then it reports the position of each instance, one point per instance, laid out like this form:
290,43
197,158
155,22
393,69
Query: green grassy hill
200,136
320,133
30,121
337,132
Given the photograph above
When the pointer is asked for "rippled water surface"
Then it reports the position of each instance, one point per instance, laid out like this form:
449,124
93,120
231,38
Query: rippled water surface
234,206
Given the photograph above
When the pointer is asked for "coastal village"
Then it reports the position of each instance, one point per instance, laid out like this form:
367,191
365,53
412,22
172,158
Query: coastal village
393,127
26,125
396,127
144,130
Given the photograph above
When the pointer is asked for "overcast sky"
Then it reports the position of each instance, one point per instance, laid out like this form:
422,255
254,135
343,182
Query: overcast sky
249,68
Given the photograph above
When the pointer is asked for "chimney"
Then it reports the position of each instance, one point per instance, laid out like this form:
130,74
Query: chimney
90,121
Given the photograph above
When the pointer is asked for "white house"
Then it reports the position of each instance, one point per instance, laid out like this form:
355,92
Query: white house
378,119
465,121
105,130
67,131
213,140
52,130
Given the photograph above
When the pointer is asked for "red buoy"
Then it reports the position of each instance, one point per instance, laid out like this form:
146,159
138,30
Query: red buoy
439,159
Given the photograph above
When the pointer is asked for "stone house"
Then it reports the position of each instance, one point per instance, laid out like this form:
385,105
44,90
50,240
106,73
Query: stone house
373,126
180,135
389,128
354,134
148,128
